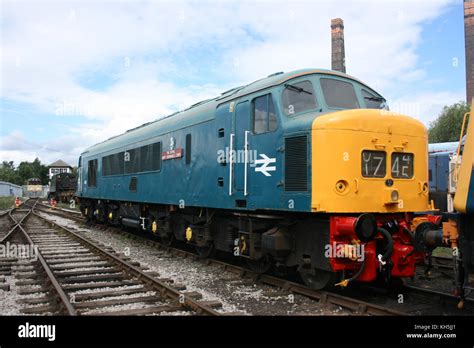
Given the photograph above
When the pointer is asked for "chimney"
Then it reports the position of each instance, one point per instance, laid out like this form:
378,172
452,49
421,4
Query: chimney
338,56
469,47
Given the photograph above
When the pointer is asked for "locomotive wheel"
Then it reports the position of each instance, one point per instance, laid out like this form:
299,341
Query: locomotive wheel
168,240
205,251
89,213
260,266
101,216
318,279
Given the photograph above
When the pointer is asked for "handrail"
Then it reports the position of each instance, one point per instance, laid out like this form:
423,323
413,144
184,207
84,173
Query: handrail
231,163
246,160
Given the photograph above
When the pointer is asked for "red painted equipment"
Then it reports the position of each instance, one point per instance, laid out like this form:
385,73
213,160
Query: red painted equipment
390,253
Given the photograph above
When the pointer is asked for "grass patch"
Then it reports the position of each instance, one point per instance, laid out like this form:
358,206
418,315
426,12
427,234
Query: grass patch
443,252
7,202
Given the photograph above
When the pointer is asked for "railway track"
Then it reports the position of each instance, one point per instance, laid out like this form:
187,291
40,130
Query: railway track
440,296
74,276
68,214
5,223
442,263
9,219
356,306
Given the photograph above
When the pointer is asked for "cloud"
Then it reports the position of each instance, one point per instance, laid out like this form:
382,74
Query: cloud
425,105
16,145
121,64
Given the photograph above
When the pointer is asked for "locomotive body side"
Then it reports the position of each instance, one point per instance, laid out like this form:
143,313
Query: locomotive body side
301,170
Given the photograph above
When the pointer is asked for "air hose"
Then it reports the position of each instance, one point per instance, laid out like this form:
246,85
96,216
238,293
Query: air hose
346,282
382,258
407,231
389,247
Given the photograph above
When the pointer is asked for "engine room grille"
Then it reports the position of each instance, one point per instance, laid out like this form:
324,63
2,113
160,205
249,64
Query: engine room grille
296,164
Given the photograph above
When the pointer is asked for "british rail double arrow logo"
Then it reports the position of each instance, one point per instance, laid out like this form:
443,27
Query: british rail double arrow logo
264,162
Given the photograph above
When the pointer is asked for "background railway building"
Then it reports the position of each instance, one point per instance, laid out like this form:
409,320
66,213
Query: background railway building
57,167
8,189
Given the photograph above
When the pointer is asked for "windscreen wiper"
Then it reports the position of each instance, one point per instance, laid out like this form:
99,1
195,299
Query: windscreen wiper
297,89
375,98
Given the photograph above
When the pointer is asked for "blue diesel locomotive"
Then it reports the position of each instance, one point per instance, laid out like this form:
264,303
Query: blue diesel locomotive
304,170
439,178
442,181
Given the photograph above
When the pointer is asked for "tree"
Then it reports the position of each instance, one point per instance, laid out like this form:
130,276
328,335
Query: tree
7,172
40,171
23,172
448,124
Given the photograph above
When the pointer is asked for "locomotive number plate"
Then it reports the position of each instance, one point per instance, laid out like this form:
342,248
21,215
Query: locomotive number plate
374,164
402,165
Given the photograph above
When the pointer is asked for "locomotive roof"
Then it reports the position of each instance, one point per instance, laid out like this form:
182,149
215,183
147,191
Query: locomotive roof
276,79
202,111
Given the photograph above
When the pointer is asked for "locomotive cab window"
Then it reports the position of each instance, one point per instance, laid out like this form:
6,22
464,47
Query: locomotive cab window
339,94
374,164
92,173
298,97
402,165
264,116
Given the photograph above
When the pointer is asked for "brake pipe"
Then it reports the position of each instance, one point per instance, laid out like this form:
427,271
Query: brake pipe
346,282
389,248
407,231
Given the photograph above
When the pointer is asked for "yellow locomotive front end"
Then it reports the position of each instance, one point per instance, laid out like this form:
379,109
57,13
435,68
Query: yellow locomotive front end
369,161
370,177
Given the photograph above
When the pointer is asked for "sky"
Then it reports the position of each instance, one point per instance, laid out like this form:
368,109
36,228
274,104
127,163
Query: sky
74,73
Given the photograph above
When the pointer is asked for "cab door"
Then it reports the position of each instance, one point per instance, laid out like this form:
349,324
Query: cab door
265,148
240,159
79,177
256,159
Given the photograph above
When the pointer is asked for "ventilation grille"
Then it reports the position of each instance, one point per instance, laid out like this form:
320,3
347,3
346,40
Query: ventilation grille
296,164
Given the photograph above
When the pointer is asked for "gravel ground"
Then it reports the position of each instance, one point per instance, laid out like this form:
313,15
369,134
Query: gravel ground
237,295
8,299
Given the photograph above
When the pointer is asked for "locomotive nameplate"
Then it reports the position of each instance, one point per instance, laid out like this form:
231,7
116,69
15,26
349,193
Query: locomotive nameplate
170,154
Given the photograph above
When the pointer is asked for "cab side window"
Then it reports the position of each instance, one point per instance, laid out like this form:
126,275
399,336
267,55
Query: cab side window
264,116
